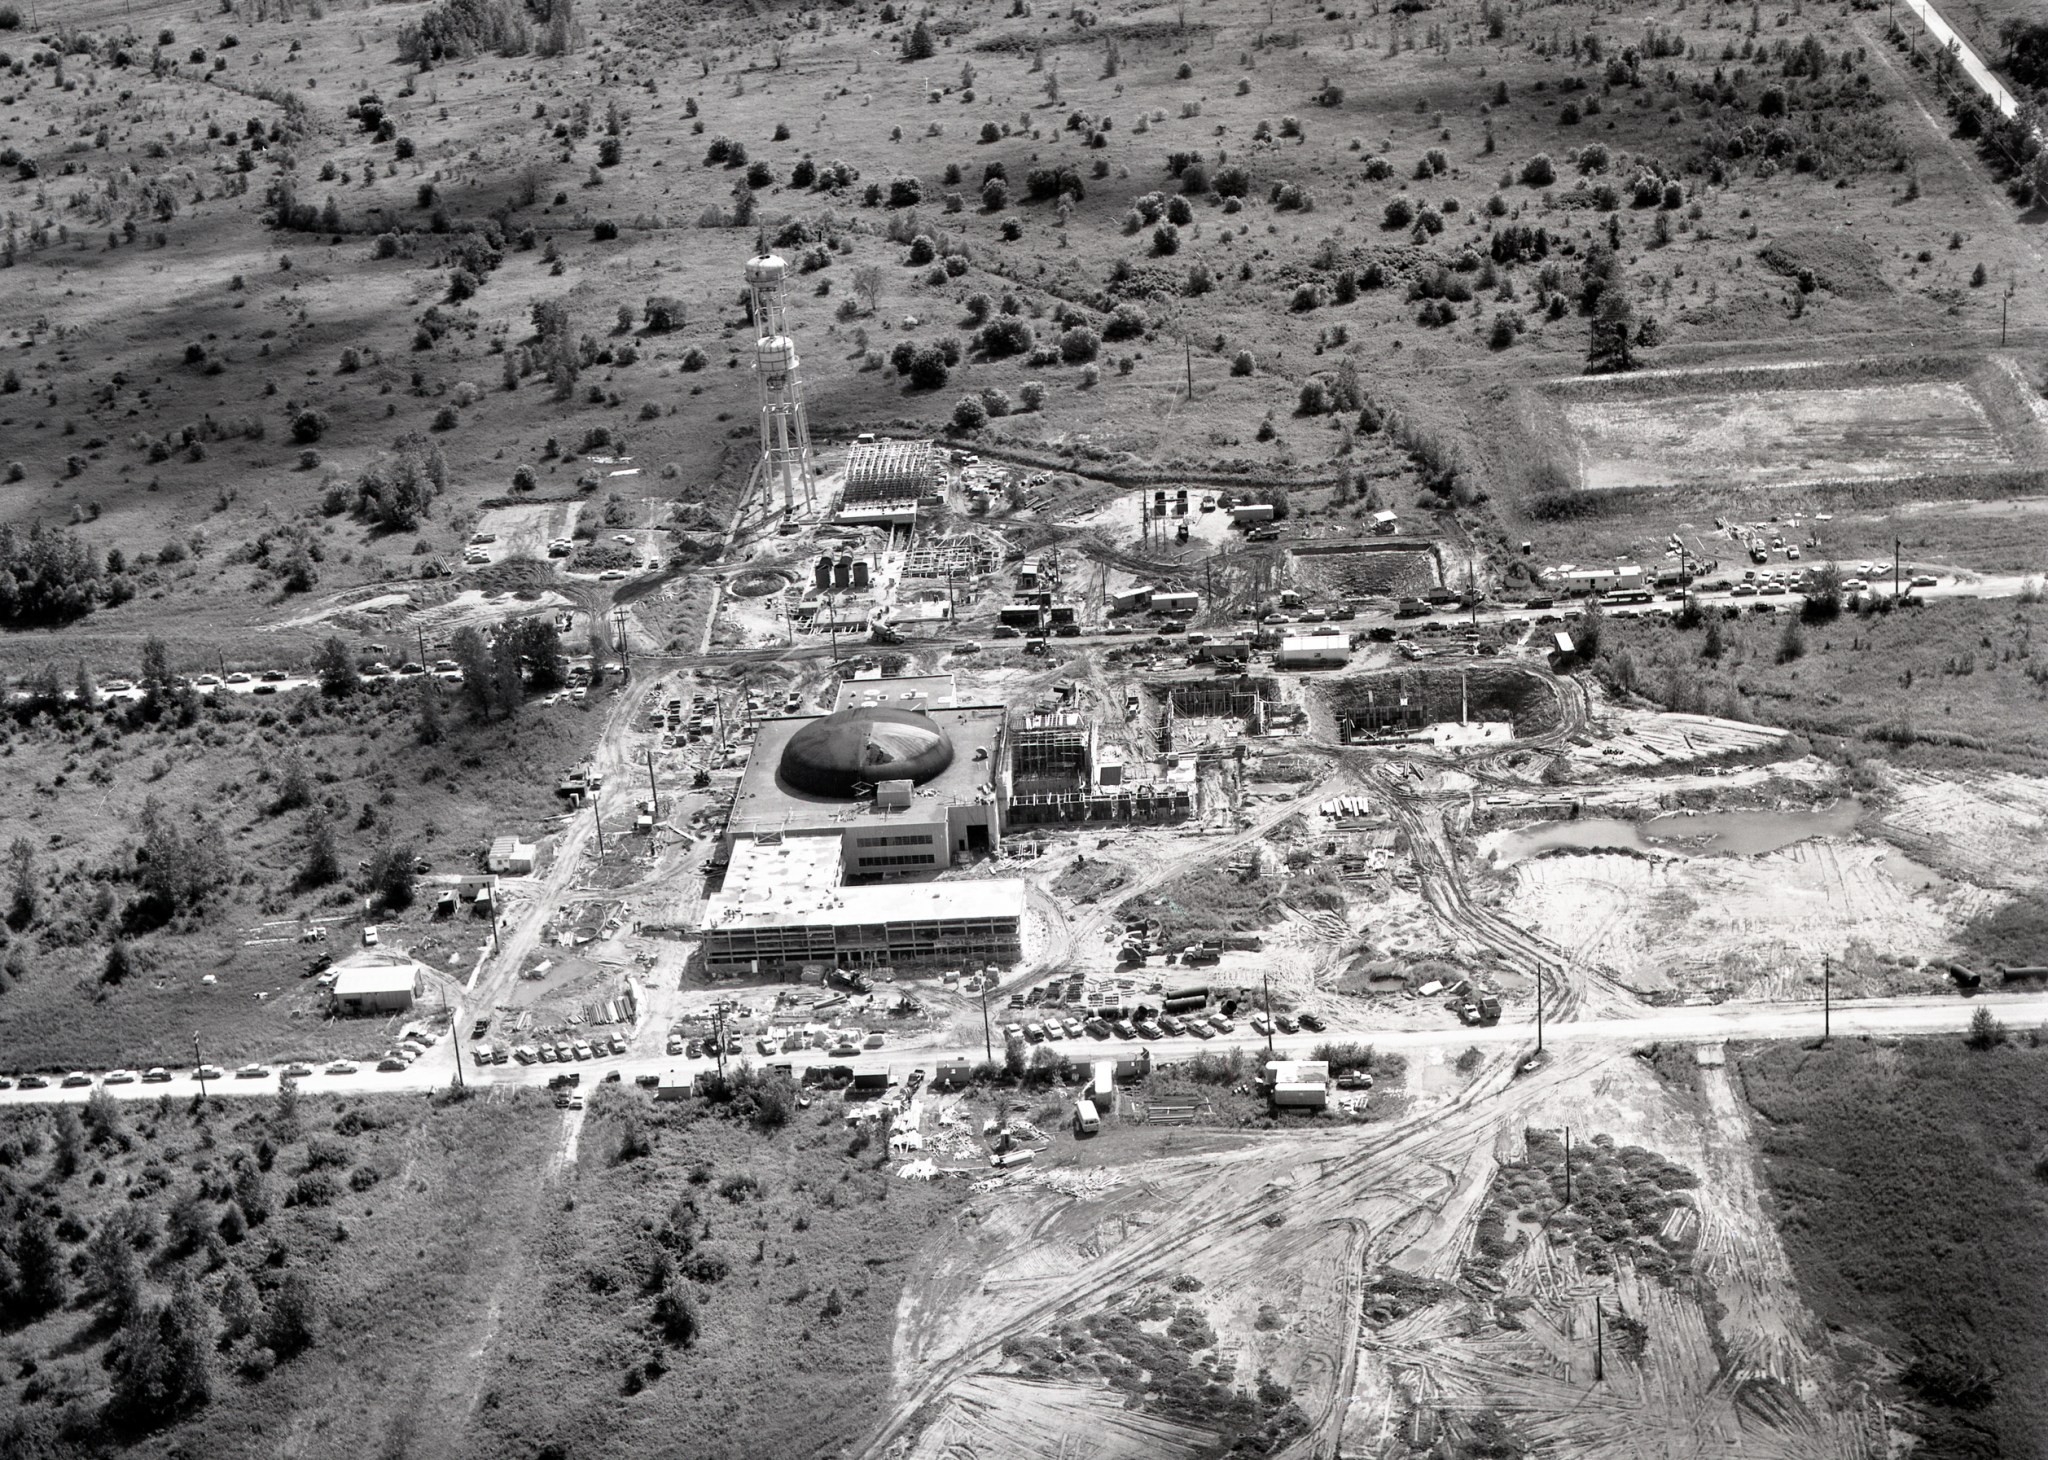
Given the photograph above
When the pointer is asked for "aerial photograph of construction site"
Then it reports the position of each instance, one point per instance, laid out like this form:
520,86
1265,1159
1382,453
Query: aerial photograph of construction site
1053,730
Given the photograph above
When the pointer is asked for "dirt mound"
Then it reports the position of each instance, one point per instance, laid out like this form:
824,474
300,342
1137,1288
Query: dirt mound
1840,264
1385,570
516,575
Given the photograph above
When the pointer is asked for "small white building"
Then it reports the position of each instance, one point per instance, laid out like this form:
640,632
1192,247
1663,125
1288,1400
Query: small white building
511,857
1129,600
1313,651
371,982
1601,580
1385,522
1183,602
1252,512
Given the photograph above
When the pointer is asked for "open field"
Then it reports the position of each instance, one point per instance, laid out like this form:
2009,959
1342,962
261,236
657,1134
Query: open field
1869,1154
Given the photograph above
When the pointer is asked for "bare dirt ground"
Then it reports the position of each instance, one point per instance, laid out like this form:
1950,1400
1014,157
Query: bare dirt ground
1757,439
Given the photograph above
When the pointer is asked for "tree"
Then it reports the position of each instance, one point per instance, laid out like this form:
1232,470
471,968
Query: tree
120,963
1586,632
1714,646
284,1121
1985,1030
554,351
23,895
969,414
1824,599
918,45
39,1285
1614,319
540,645
391,876
308,426
294,1317
240,1312
663,313
427,703
336,667
867,287
112,1269
676,1311
145,1386
188,1221
156,664
188,1332
47,576
1791,642
252,1193
181,871
468,649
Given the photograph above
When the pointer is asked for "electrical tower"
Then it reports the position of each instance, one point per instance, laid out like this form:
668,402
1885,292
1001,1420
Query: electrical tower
785,425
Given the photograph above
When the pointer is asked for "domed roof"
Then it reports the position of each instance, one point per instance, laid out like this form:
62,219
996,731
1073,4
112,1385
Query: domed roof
867,743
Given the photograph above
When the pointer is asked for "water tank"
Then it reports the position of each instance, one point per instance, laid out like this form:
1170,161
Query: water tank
842,572
766,269
860,572
775,355
822,575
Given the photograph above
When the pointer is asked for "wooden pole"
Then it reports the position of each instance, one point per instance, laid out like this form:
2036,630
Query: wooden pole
1599,1344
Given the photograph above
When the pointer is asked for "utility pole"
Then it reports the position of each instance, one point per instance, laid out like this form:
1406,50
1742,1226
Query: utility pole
598,822
455,1034
988,1043
1599,1343
619,625
1539,1008
1190,349
2001,319
1895,569
1567,1168
1827,1001
199,1064
653,790
422,632
1266,983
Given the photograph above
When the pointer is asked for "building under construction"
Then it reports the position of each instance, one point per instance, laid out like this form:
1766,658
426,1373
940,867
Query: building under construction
1397,717
1058,773
888,477
1243,697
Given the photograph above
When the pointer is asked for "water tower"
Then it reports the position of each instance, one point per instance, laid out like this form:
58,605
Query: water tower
785,427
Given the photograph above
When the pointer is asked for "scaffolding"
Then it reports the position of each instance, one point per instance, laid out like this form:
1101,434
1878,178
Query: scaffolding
1052,755
1109,803
953,555
1377,721
891,471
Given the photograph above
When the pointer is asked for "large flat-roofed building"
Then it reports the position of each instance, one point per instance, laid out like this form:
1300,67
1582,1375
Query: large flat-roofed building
888,790
784,902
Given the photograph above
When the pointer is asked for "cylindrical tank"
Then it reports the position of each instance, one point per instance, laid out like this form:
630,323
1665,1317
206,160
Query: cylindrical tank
860,572
766,269
823,573
842,572
775,355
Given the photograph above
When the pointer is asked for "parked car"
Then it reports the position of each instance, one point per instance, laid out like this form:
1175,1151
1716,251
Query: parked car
298,1071
252,1072
33,1082
1312,1022
209,1072
156,1075
1261,1024
390,1063
580,1050
1221,1023
118,1077
1123,1029
1200,1029
76,1078
1172,1025
1287,1022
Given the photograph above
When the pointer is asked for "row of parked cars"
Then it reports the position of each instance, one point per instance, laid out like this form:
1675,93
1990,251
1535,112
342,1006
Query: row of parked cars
841,1043
158,1075
1147,1025
554,1051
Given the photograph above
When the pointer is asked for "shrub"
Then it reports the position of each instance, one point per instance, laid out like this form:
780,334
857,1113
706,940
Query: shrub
905,192
1079,345
605,231
1033,395
1400,213
969,414
1241,363
1539,171
308,425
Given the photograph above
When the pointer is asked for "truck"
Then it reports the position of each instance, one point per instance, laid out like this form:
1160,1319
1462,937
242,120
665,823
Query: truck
1087,1120
1489,1009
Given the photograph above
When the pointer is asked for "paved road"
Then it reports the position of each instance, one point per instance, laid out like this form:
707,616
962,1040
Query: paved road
1690,1025
1973,64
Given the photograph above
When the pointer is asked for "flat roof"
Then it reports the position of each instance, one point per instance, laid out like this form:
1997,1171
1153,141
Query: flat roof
797,882
370,975
903,692
764,803
1305,642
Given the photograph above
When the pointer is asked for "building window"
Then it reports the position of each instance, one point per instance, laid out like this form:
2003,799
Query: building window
922,840
903,859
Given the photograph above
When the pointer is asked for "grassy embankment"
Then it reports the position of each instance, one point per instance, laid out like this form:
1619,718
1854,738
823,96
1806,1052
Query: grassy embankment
397,1217
786,1247
1908,1187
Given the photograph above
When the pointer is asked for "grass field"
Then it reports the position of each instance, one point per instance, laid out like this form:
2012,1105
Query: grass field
792,1243
1907,1186
1945,683
400,1216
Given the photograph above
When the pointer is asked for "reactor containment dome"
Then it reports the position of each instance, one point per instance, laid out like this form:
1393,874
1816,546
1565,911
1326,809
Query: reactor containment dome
862,745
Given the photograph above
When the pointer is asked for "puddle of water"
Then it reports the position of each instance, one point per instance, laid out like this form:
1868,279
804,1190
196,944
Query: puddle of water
1712,833
1911,875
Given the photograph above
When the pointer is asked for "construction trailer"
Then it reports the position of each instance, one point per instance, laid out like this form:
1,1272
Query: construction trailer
1130,600
1179,602
1313,651
1102,1084
1302,1095
1252,512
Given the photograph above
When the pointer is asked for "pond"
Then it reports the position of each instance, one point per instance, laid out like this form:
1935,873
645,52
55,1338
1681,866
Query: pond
1710,833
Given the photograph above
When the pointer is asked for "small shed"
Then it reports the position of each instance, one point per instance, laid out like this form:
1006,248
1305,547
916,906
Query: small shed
1253,512
376,985
512,857
1564,644
1385,522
